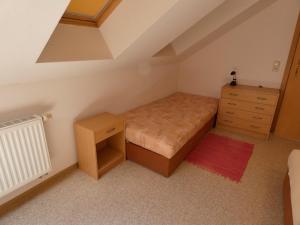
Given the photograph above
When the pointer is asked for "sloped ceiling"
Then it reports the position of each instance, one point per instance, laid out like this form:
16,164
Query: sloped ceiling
134,32
140,28
221,20
75,43
152,36
26,27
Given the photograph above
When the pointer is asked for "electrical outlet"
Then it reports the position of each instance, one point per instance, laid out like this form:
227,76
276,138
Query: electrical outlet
276,66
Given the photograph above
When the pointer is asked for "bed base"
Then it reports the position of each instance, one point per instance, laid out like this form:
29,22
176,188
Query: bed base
159,163
288,216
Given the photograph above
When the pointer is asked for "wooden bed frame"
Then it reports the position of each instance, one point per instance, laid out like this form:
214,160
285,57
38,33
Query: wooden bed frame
288,216
159,163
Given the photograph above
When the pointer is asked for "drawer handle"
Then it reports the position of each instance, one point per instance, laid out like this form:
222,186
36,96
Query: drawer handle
110,130
233,94
230,113
259,108
261,98
257,118
230,103
255,127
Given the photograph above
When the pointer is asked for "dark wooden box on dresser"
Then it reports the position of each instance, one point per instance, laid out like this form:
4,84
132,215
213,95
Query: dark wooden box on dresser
247,109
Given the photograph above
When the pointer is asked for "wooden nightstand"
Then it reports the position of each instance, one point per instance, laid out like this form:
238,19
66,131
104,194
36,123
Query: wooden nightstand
100,143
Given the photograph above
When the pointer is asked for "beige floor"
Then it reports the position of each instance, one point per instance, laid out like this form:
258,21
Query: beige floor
133,195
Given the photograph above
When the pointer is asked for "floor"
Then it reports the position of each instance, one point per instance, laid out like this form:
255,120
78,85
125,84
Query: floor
133,195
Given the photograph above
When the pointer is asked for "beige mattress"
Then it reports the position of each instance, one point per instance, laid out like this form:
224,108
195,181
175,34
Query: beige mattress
164,126
294,175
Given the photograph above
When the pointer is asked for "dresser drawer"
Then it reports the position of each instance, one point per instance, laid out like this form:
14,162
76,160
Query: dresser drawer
255,97
243,124
108,131
245,115
247,106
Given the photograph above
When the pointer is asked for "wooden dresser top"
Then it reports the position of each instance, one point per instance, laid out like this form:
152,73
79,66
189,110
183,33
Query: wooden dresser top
252,88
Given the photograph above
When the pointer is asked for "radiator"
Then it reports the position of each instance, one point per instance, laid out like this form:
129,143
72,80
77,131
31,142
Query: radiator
24,155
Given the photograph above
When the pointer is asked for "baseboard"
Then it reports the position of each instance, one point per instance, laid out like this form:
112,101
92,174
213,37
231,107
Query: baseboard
38,189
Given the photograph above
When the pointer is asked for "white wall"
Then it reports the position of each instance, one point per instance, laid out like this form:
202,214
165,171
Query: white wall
251,47
76,97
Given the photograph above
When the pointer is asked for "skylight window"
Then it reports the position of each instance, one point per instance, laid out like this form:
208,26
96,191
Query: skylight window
88,12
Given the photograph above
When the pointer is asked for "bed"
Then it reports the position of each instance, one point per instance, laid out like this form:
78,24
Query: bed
291,190
159,135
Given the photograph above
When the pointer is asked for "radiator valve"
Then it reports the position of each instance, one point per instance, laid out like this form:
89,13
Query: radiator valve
46,116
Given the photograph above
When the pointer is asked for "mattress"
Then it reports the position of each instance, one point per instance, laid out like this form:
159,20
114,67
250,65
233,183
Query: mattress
294,175
164,126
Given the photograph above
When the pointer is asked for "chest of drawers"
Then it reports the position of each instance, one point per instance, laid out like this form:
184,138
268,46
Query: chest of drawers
247,109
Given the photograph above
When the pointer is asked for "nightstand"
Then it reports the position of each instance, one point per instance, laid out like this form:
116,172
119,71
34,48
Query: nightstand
100,143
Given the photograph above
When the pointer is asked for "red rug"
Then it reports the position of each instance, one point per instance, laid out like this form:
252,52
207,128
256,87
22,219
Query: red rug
222,155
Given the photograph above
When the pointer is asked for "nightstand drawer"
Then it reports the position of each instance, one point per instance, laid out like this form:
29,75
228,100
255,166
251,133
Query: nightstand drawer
243,124
245,115
242,105
109,131
259,98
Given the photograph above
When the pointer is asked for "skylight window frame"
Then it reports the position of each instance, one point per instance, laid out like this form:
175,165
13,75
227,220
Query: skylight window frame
72,18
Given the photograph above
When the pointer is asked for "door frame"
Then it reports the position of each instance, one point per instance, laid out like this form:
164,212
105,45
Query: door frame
287,70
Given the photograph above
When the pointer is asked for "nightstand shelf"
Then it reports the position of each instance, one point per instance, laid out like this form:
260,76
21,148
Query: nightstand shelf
107,158
100,143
